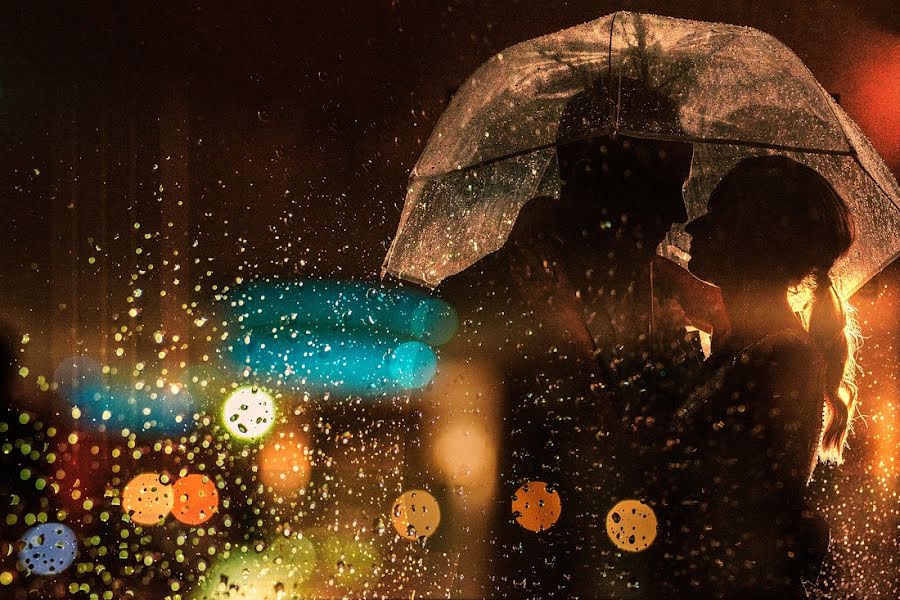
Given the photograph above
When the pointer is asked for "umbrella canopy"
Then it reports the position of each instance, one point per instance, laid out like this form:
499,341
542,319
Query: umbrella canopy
738,92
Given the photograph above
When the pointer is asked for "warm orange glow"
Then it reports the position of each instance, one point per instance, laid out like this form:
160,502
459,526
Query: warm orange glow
147,499
631,525
875,441
465,453
196,499
284,463
875,101
463,438
536,507
884,434
415,514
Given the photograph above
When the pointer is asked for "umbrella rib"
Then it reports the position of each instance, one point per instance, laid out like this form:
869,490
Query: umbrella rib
828,102
612,28
733,142
642,135
876,182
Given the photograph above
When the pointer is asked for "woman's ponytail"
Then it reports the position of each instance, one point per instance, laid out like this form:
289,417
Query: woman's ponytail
833,328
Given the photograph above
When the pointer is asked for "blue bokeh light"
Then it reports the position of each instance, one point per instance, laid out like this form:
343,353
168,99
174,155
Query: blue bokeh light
344,306
412,364
107,405
342,337
48,549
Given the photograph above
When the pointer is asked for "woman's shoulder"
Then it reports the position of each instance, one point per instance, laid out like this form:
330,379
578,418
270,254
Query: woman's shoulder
786,364
783,364
792,349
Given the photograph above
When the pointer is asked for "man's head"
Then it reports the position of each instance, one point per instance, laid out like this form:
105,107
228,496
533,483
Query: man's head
621,188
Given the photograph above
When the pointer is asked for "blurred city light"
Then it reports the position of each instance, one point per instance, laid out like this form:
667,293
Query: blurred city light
536,507
631,525
196,499
249,413
342,306
48,549
107,405
341,337
147,500
284,463
415,514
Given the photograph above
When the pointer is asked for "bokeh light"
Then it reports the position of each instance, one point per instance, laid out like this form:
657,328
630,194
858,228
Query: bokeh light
344,305
339,361
464,453
342,337
196,499
284,462
351,561
48,549
536,507
278,570
631,525
293,559
412,365
249,413
147,500
104,404
415,514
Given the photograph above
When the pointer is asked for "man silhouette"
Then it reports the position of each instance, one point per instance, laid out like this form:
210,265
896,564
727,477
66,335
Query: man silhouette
563,310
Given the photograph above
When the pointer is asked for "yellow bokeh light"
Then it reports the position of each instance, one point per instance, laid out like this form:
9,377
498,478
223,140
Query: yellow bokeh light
631,525
249,413
278,572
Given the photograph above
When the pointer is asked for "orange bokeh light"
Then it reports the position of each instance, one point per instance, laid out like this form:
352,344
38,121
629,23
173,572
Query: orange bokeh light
196,499
535,507
284,463
631,525
147,499
415,514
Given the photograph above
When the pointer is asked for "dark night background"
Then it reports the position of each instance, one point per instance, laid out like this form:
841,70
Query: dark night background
332,101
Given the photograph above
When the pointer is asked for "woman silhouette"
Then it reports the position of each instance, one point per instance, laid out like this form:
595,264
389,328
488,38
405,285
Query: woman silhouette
745,443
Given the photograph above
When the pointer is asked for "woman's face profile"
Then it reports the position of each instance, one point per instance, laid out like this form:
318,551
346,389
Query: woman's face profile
712,247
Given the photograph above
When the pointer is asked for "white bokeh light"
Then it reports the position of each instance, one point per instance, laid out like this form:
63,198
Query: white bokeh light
249,413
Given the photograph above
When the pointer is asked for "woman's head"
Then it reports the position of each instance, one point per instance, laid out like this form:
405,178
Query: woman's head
772,223
770,220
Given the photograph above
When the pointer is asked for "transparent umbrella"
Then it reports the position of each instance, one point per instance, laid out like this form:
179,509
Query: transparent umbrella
738,92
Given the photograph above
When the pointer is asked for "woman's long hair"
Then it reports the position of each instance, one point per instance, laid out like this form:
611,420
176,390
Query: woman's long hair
833,326
798,227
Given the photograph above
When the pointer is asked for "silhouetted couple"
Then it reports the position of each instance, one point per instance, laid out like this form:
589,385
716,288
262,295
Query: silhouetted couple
722,449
